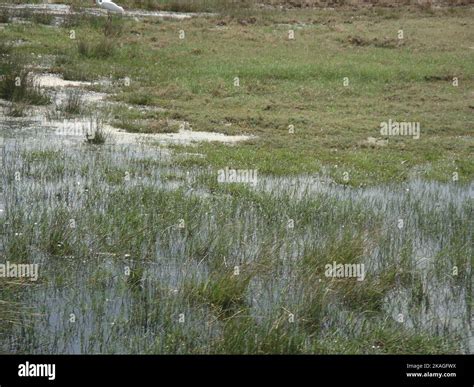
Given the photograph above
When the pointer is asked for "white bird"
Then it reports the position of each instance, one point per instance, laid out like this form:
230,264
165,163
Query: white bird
109,5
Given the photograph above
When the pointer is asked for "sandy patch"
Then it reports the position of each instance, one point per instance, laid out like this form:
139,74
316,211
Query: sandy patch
185,137
56,82
63,10
372,141
77,128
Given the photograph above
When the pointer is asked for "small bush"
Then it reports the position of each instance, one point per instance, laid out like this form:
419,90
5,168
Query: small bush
43,18
113,27
223,291
97,135
73,103
24,13
5,47
103,49
4,15
16,86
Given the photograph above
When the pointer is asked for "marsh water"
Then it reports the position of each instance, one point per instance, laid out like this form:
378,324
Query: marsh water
83,302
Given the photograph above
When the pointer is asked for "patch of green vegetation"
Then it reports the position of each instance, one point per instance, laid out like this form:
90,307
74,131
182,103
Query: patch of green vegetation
388,339
113,27
410,82
240,333
42,18
182,233
5,47
44,155
137,98
224,291
16,85
58,239
147,126
102,49
97,137
4,15
73,104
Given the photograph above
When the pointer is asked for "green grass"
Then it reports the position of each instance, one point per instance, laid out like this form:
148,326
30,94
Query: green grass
73,103
157,238
42,18
100,50
299,83
16,86
133,222
4,15
96,137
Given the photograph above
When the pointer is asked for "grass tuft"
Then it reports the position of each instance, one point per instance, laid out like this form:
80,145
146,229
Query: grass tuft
102,49
18,86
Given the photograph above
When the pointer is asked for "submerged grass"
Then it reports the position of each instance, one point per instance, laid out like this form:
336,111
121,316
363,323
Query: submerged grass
17,85
153,254
73,102
223,272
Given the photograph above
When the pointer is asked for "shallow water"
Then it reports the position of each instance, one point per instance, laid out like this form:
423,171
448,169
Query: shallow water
106,307
58,171
74,129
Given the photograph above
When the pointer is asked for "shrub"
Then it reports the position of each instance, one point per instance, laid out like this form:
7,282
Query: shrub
103,49
73,102
97,135
43,18
17,86
4,15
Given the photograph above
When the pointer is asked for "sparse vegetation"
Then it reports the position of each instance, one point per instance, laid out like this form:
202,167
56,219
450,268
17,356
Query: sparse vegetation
5,48
17,86
147,126
42,18
16,110
73,104
113,27
4,15
97,134
100,50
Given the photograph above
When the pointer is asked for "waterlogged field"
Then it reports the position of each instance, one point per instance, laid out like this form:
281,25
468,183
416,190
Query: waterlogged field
237,183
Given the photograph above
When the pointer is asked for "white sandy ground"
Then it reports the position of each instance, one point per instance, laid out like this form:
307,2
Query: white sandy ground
78,127
63,10
54,81
182,137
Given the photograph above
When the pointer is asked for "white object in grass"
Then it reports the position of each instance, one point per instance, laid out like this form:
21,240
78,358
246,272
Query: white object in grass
109,5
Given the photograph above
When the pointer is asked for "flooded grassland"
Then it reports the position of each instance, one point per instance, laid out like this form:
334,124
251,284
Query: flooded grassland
129,228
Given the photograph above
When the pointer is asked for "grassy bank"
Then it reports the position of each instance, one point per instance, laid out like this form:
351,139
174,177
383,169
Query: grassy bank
332,86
